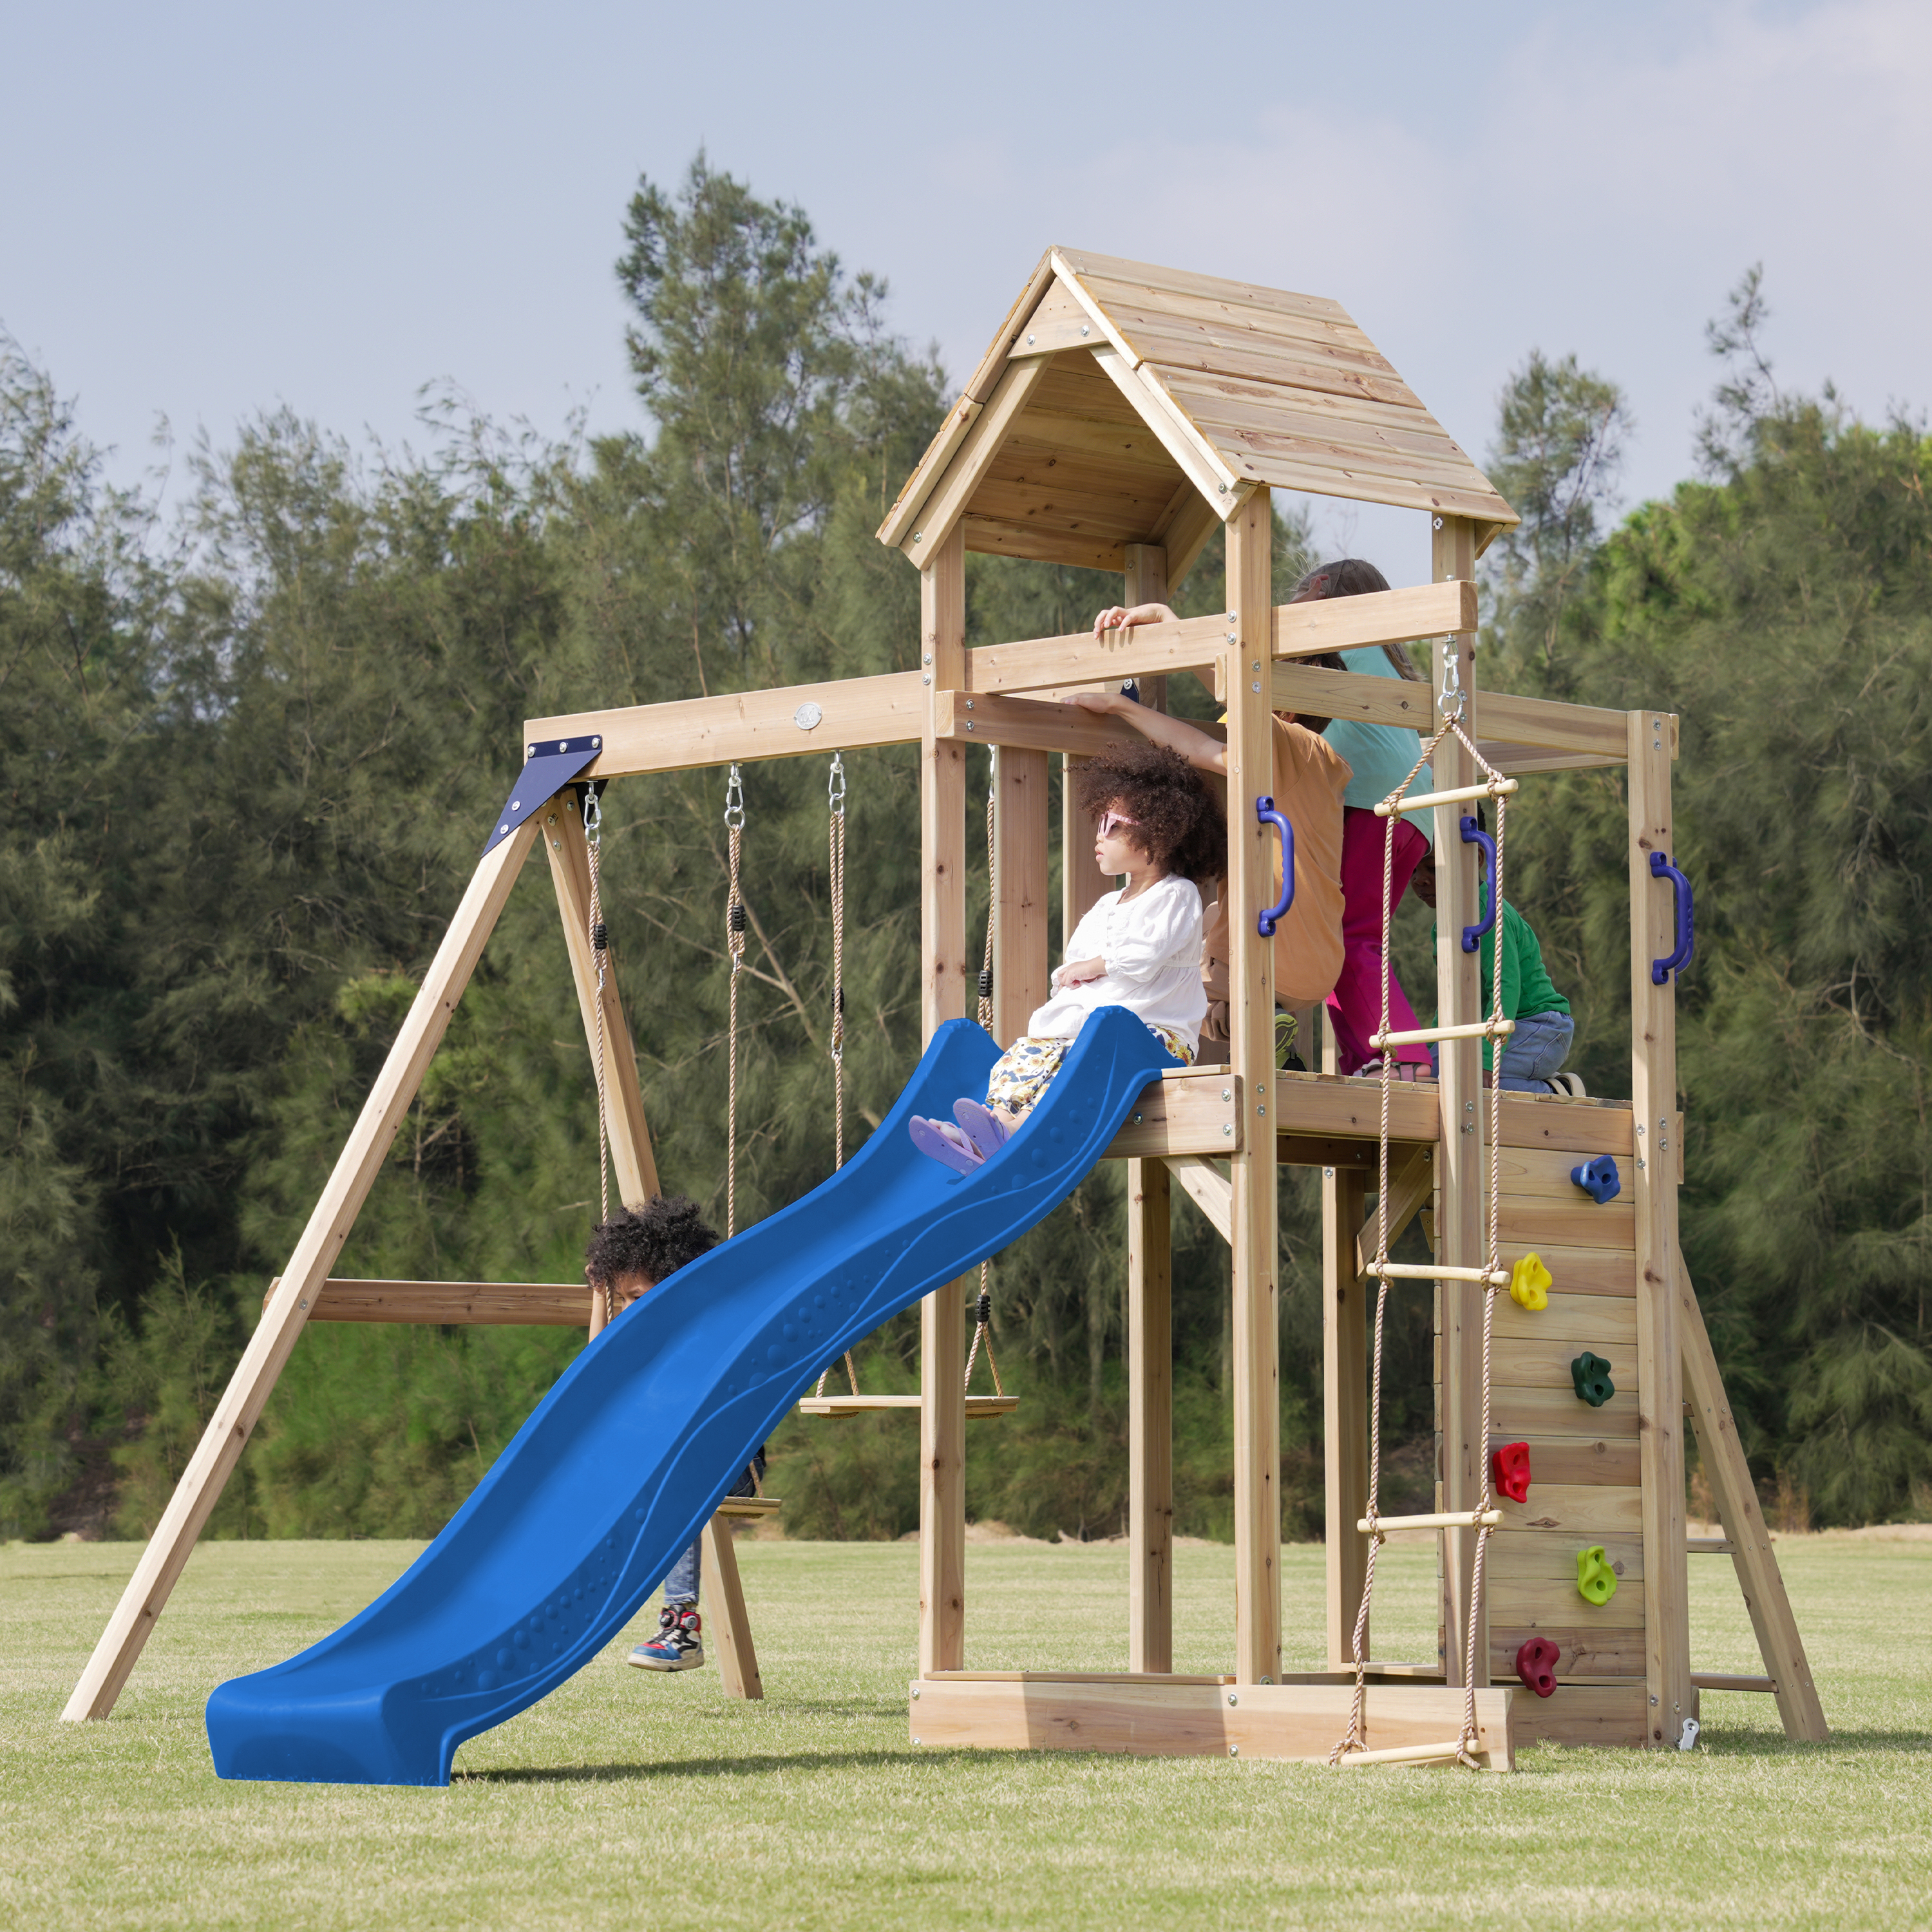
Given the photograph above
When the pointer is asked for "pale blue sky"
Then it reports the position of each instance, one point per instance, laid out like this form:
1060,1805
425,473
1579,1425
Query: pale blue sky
213,207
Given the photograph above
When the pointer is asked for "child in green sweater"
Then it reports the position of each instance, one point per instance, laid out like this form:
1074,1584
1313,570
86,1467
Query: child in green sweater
1533,1054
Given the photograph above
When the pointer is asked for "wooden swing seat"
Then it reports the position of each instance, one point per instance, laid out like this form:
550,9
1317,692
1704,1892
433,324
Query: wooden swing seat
977,1406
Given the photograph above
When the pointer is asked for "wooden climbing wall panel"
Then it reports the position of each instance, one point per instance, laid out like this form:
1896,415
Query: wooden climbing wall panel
1586,1482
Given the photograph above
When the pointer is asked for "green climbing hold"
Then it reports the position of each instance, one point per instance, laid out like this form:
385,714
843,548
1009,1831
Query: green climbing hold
1591,1375
1596,1581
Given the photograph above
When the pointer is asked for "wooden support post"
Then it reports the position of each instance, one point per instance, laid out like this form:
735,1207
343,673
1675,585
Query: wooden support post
1666,1587
1021,892
1150,1419
282,1321
1460,1223
942,1492
1346,1298
1251,875
1081,882
1758,1577
1146,582
729,1627
631,1156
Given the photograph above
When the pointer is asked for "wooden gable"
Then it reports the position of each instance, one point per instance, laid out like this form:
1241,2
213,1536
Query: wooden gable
1123,403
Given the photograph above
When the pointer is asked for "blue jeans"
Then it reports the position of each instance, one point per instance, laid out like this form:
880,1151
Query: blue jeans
1536,1050
680,1587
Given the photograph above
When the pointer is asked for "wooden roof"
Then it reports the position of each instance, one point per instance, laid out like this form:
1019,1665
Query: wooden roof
1123,403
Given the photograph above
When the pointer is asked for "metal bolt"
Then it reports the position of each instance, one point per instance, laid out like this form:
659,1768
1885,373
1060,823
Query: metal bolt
1255,686
915,535
1232,1698
919,1741
1438,523
1234,1750
1259,1088
1083,328
1137,1120
303,1304
915,1692
1268,1680
927,679
556,844
1227,1093
1029,341
969,724
969,704
1261,1112
927,658
1227,1130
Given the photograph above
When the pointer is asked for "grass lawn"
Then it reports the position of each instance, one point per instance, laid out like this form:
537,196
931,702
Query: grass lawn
635,1800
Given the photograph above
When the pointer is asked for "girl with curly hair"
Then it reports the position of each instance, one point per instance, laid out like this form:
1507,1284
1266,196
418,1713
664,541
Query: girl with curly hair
1157,826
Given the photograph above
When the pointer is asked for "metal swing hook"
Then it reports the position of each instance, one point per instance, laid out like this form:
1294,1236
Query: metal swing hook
835,788
1451,701
593,814
734,802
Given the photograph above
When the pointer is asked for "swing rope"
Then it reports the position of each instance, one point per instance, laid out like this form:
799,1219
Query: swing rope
599,937
734,941
835,788
1355,1739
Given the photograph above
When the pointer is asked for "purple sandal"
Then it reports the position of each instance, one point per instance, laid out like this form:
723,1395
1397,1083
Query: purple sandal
944,1143
983,1127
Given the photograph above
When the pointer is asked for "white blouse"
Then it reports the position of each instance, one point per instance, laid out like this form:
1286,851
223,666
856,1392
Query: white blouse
1151,948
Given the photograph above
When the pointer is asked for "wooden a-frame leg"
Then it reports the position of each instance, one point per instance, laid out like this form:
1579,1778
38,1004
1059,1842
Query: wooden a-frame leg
630,1155
730,1627
287,1311
1758,1577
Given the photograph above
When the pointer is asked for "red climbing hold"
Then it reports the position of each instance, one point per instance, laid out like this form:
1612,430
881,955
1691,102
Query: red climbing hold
1509,1468
1536,1663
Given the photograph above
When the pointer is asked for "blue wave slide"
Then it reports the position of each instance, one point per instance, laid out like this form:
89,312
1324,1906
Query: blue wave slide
622,1464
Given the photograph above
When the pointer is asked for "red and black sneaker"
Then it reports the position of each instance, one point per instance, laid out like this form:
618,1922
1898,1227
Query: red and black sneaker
678,1644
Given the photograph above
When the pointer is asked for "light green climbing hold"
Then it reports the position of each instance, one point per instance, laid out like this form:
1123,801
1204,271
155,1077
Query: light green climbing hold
1596,1581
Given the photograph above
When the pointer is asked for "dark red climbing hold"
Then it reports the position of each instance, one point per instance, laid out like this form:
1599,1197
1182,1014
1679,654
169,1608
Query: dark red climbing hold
1509,1468
1536,1663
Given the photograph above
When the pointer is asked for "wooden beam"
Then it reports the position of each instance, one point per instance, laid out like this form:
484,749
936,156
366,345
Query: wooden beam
1461,1237
945,996
1059,320
1200,462
1384,617
796,721
939,516
1022,890
1561,727
1150,1419
361,1159
1255,1247
1666,1587
1145,581
1176,1718
1411,1188
1194,1112
548,1304
1759,1579
917,487
972,718
730,1627
1363,699
1209,1189
1346,1298
1078,658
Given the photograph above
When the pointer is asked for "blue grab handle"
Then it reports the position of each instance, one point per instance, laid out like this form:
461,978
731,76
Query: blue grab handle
1266,814
1661,969
1473,936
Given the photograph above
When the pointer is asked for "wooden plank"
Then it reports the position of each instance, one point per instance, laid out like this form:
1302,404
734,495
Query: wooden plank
1557,726
1604,1715
1026,724
1345,1301
953,490
917,487
1125,516
1758,1576
1601,1322
946,995
1078,658
1399,492
1086,263
1076,1677
1549,1559
1719,1680
1190,522
727,1623
1319,692
1535,1223
991,536
978,1407
1161,355
481,1303
1146,318
1178,1719
1586,1651
1022,889
1358,1156
1518,1413
1545,1362
1358,426
1386,617
1351,1109
1209,1189
240,1407
1585,1512
1144,580
1577,1459
1255,1316
853,713
1516,761
1120,438
1265,441
1544,1174
1578,1127
1600,1271
1653,1189
1149,1352
1060,320
1461,1238
1182,1112
1524,1603
748,1509
1102,333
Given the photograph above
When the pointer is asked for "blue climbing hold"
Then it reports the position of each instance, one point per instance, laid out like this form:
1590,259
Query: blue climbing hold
1598,1179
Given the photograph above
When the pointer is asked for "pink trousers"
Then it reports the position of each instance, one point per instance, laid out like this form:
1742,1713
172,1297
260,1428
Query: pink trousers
1355,1006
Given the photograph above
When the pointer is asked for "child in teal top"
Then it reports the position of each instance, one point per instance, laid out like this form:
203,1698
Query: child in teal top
1532,1056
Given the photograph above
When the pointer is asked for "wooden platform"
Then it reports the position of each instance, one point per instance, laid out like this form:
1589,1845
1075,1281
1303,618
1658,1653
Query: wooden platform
1161,1716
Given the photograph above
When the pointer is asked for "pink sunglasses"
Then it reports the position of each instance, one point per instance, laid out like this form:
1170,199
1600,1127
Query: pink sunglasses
1111,821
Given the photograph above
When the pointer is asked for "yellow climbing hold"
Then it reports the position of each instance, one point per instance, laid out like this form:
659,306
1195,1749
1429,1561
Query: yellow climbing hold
1530,1282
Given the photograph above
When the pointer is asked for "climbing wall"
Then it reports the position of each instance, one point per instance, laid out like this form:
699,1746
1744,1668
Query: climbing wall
1585,1489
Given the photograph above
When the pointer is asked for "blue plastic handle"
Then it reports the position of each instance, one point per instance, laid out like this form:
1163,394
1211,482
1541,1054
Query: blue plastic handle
1661,969
1473,936
1266,814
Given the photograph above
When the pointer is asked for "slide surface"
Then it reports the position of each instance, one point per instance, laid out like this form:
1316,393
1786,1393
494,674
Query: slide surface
621,1465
